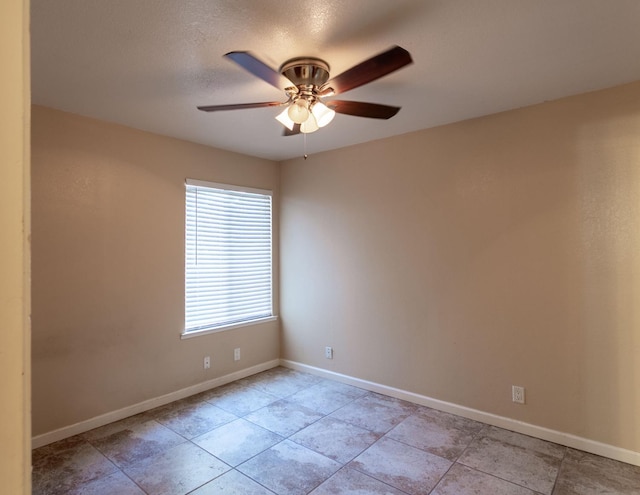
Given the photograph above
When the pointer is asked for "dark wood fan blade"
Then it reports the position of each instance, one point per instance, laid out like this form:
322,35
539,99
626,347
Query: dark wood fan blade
259,69
292,132
369,70
363,109
240,106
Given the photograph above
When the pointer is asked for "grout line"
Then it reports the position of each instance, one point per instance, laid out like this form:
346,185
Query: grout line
134,482
560,468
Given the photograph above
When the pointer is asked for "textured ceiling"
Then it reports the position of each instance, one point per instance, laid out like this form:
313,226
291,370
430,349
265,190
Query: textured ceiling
149,63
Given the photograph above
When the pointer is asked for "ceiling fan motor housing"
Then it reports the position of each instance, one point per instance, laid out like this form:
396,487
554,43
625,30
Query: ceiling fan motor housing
306,72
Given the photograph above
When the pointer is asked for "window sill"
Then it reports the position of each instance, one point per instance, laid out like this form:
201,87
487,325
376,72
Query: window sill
198,333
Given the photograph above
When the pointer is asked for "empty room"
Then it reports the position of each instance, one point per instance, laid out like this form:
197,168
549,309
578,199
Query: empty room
340,247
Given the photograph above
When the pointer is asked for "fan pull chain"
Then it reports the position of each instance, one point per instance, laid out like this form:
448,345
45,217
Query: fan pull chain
304,137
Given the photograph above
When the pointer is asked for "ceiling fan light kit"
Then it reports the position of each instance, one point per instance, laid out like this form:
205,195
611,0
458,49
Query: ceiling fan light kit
298,111
309,125
309,121
306,81
285,120
322,113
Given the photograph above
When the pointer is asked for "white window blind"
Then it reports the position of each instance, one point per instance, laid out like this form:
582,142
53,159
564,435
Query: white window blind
228,255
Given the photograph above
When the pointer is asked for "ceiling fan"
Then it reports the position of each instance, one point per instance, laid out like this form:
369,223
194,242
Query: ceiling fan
306,83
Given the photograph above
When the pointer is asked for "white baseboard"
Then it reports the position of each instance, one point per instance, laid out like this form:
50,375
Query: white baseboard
561,438
573,441
125,412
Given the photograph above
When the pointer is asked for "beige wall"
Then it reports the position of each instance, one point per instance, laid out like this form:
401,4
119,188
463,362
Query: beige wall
108,268
15,454
457,261
451,262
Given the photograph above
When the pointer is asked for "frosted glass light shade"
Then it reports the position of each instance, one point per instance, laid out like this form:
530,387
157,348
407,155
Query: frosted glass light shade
309,125
322,113
284,119
298,111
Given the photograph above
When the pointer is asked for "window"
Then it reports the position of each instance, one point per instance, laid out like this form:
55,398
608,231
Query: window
228,278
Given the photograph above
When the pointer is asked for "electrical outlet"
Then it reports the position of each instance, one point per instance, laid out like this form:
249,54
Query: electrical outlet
517,394
328,352
236,354
207,362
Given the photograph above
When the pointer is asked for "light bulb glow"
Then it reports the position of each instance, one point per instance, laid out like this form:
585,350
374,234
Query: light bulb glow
309,125
298,111
322,113
284,119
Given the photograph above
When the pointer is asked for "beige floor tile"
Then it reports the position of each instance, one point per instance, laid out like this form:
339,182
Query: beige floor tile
232,483
289,469
196,419
117,426
117,484
240,400
176,471
57,472
335,439
237,441
351,482
505,455
587,474
138,442
375,412
327,396
283,417
406,468
439,436
462,480
281,382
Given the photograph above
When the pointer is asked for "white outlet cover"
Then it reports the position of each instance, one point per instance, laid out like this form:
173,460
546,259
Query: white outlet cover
517,394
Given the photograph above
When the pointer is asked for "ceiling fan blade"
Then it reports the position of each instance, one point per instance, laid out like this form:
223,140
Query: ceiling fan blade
240,106
259,69
363,109
292,132
369,70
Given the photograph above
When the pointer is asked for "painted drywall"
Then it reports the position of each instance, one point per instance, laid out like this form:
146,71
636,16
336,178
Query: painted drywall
108,268
458,261
15,428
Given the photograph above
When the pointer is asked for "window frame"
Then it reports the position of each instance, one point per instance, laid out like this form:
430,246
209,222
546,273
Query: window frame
186,334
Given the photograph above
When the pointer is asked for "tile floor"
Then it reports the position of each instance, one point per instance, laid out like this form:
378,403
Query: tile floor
285,432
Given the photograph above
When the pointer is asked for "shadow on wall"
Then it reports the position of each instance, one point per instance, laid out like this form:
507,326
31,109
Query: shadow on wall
609,290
